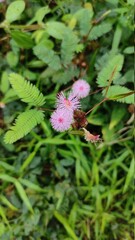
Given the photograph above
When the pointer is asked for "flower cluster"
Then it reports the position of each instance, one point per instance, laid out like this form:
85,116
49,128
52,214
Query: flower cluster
62,117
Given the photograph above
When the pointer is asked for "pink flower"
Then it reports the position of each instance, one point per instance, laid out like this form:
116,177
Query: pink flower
61,120
69,104
81,88
90,137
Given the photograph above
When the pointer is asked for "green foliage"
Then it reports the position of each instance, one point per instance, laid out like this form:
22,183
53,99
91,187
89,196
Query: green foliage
40,14
120,94
57,185
48,56
110,71
56,29
20,190
62,220
99,30
22,39
12,59
4,86
24,123
84,18
68,47
116,39
26,91
129,50
14,10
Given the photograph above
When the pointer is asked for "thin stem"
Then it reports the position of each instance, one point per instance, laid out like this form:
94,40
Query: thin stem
96,21
27,27
46,109
24,27
110,80
104,100
96,91
4,38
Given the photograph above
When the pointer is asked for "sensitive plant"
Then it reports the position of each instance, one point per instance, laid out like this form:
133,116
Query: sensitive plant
63,116
109,68
69,104
55,184
64,106
61,120
81,88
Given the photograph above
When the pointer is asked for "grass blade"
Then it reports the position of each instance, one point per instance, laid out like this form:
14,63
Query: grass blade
23,196
65,224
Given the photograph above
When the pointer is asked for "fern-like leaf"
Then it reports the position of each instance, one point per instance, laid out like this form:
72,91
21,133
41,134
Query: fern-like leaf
24,123
100,30
26,91
110,71
68,47
120,94
84,17
48,56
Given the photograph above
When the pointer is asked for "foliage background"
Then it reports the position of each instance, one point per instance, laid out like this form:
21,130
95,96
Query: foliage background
57,186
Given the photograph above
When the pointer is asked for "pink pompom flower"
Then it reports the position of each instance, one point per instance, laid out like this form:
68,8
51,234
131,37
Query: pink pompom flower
81,88
69,104
61,120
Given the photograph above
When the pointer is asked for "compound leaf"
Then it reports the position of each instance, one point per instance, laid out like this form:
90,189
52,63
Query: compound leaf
26,91
24,123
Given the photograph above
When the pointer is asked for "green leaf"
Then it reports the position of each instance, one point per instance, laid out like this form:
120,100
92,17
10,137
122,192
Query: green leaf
65,223
73,215
100,30
127,77
130,176
64,76
40,14
23,195
12,59
110,71
31,185
68,47
84,17
22,39
24,123
131,2
26,91
7,166
116,116
14,10
10,96
120,94
48,56
4,84
2,229
116,39
7,203
3,215
36,64
129,50
7,178
96,119
56,29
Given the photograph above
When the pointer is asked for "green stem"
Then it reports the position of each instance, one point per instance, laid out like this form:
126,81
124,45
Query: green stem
23,27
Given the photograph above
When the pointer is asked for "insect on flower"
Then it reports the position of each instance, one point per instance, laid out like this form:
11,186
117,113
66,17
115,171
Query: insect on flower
90,137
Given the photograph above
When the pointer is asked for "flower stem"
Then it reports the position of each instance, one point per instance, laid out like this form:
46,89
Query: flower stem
104,100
